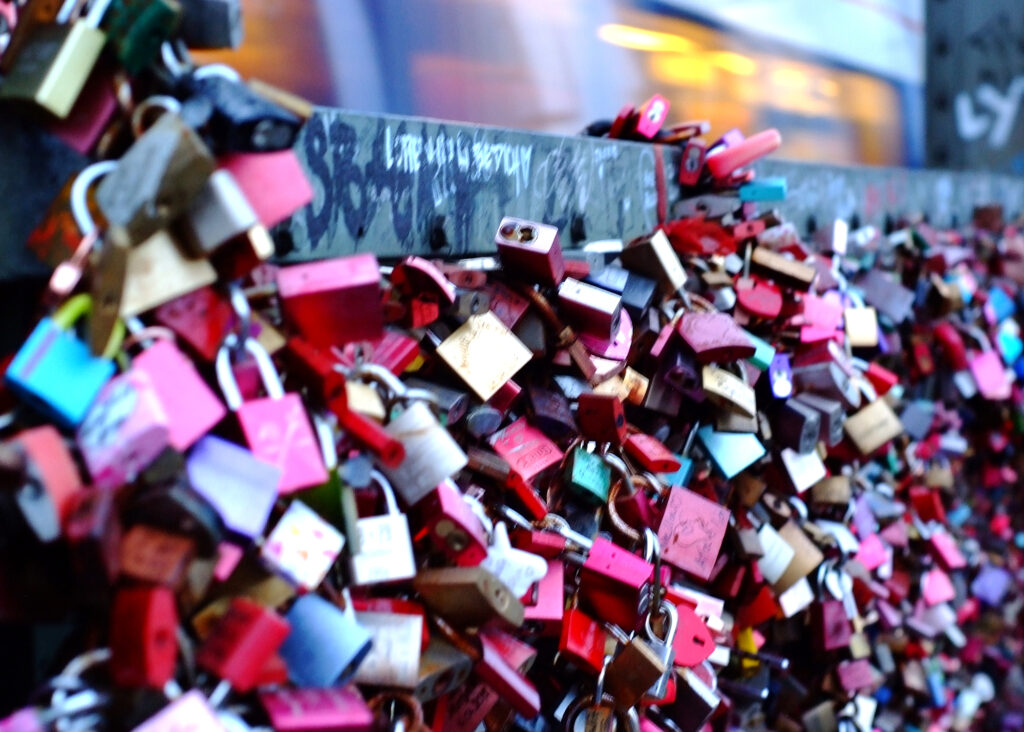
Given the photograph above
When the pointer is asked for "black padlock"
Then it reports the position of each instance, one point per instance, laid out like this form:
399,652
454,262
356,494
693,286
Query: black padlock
234,118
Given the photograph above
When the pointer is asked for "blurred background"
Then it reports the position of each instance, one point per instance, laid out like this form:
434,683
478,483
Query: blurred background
842,79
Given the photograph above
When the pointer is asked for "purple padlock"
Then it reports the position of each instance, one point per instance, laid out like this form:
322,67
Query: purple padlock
240,486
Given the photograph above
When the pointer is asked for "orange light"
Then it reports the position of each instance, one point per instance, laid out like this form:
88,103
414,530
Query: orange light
734,63
642,39
789,77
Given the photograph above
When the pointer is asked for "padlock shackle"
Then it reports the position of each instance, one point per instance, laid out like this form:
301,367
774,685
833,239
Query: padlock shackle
389,494
167,105
325,435
79,194
78,306
229,386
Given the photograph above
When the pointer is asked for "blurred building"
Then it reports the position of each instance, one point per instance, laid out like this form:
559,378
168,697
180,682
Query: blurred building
842,79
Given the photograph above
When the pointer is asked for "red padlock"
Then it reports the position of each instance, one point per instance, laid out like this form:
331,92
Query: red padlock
544,603
601,418
651,453
143,640
312,293
241,643
452,526
582,641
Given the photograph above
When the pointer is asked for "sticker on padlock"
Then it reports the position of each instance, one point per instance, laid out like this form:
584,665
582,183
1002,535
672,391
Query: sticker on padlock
125,429
385,545
394,659
302,546
276,427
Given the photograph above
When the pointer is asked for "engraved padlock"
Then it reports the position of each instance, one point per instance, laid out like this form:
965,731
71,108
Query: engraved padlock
385,545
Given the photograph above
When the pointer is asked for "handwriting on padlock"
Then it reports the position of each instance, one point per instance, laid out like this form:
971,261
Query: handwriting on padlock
516,569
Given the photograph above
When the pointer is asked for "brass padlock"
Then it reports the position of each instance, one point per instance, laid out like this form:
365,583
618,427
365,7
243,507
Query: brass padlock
468,596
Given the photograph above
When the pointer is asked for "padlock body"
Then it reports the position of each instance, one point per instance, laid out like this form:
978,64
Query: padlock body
56,373
335,301
125,430
278,431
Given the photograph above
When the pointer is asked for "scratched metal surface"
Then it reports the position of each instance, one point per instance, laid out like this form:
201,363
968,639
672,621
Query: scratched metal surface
386,183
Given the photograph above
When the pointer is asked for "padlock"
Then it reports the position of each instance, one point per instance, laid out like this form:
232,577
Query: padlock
302,546
172,505
728,391
635,291
654,257
241,642
544,604
317,710
691,531
797,426
55,62
530,251
238,484
528,451
27,18
431,454
587,476
831,413
582,641
452,525
156,179
873,426
143,640
155,556
651,454
632,672
93,531
443,669
326,644
55,372
135,30
394,659
468,596
592,310
235,118
211,23
785,272
550,411
125,429
192,408
343,284
615,584
219,212
95,111
385,545
273,182
277,426
663,647
188,711
714,337
692,164
601,418
484,353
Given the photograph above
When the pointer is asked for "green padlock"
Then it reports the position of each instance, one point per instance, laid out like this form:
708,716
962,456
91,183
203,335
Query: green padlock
136,29
588,476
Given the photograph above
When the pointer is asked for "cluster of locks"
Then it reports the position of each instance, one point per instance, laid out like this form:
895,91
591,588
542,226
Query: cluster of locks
716,477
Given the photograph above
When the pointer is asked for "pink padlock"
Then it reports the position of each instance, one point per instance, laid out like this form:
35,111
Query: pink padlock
192,408
277,426
306,710
125,430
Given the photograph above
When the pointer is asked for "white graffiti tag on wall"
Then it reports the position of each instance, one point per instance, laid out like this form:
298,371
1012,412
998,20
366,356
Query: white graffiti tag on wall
994,113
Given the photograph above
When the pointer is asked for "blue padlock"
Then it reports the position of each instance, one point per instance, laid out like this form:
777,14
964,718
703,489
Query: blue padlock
326,644
55,372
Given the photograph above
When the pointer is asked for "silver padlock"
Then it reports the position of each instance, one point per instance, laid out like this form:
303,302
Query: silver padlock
217,214
385,545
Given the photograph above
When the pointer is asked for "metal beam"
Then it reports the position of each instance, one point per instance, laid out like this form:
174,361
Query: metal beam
402,185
